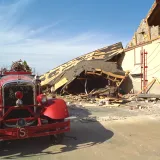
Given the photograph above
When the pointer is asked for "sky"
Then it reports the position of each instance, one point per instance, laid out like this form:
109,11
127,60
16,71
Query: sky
48,33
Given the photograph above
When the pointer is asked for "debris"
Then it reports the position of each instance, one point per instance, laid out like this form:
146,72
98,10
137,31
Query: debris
96,74
148,85
95,78
20,66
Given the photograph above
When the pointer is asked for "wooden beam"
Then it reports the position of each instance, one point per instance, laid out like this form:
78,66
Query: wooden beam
142,44
149,31
114,75
157,1
146,87
81,78
151,86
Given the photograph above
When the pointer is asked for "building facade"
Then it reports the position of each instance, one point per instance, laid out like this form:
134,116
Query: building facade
142,54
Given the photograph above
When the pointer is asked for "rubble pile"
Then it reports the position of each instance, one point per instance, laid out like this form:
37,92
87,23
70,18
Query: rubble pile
93,101
18,66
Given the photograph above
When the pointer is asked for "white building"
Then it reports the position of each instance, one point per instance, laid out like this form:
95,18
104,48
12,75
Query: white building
146,39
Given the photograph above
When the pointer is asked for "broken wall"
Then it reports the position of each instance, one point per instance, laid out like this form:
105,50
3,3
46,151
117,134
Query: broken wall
155,32
132,62
149,28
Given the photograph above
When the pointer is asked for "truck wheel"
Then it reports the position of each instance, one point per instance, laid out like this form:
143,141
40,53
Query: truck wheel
2,143
57,138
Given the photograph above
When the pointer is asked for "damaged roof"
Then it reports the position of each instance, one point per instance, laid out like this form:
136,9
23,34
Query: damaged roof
153,15
143,32
152,9
91,65
89,61
109,52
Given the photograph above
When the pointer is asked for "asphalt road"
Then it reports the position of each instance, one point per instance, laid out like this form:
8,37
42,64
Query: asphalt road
137,137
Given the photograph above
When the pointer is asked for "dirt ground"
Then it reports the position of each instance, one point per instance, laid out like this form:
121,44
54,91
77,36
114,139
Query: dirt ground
102,133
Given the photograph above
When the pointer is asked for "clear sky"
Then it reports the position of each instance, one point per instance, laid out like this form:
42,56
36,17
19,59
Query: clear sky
47,33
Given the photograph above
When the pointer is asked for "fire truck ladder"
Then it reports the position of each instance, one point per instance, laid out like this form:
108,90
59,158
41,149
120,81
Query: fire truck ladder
144,67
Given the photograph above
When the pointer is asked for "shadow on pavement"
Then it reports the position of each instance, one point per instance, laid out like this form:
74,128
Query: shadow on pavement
87,132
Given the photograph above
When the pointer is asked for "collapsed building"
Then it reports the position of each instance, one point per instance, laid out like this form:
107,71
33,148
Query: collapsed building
95,73
142,53
113,69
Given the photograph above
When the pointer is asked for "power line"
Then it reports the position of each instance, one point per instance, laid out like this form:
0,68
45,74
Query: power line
135,69
153,58
154,50
154,72
154,68
148,58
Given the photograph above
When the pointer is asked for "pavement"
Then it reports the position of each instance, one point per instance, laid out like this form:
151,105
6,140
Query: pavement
101,133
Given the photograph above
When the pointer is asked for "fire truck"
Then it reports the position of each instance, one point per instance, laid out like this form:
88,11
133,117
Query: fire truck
25,111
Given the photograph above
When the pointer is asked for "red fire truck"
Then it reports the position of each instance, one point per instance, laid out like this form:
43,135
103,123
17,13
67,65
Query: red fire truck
24,111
